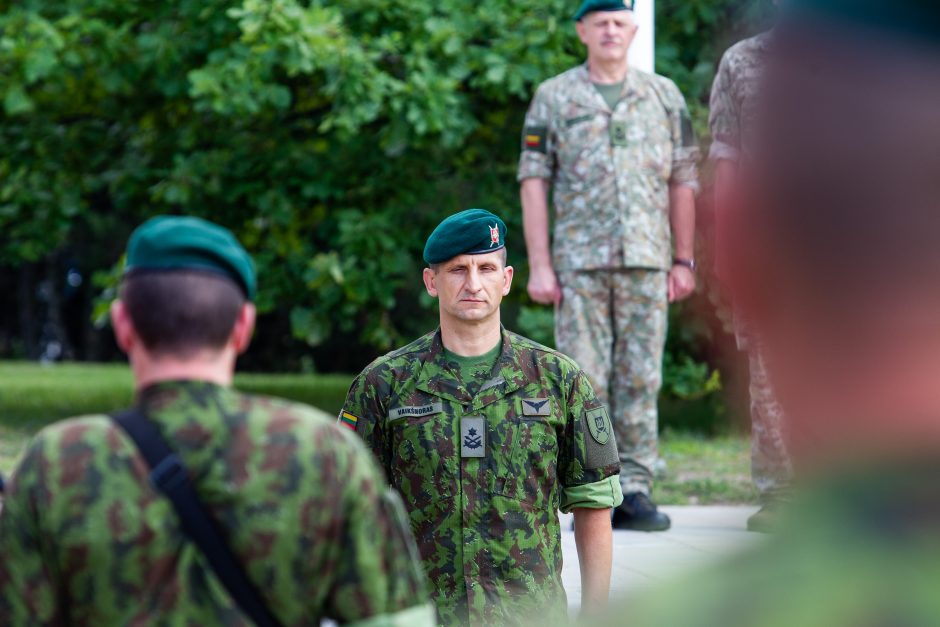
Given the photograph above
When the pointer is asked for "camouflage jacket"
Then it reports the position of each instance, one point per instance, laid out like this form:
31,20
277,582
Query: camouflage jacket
734,97
860,547
610,170
483,466
85,540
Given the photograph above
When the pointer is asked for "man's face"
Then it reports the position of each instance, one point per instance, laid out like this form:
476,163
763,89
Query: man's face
470,287
607,34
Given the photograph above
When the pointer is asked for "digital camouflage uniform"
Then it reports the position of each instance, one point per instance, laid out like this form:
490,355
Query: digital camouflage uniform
484,465
734,104
611,173
85,540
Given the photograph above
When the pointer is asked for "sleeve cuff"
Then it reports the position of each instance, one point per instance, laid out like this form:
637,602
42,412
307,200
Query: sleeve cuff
417,616
720,150
531,167
598,495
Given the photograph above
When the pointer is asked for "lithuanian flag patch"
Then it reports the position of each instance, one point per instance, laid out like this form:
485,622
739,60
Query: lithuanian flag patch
533,138
348,420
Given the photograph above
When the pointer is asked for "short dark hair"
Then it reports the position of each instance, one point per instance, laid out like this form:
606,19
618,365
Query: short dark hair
435,267
180,312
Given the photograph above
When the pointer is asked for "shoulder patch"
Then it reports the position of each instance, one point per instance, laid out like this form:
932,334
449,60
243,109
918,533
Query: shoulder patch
534,139
348,420
598,424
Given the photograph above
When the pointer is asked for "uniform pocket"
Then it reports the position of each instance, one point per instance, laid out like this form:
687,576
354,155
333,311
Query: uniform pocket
583,150
525,460
424,466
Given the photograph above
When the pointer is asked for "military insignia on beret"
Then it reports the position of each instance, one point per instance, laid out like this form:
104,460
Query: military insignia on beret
599,425
494,235
348,420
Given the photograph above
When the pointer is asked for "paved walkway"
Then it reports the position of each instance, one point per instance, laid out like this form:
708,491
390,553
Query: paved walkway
699,536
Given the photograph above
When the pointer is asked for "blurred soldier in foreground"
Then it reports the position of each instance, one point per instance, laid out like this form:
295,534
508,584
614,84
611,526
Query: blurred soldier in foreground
616,146
734,104
839,274
85,537
486,435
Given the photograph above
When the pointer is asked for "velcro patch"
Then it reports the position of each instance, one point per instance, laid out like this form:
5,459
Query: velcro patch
581,118
348,420
618,133
536,407
473,436
598,425
534,138
600,449
415,411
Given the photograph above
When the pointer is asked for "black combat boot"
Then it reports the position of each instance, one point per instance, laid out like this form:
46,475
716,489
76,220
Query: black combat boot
639,513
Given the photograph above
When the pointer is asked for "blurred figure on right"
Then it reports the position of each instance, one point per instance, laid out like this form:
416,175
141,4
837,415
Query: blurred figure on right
840,275
732,115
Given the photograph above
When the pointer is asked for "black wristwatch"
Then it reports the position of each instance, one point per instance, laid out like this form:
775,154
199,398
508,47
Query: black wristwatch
688,263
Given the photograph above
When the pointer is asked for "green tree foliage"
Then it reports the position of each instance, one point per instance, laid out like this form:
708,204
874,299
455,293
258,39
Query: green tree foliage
330,136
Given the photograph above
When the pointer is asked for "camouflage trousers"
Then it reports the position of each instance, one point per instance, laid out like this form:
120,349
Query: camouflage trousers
613,324
771,469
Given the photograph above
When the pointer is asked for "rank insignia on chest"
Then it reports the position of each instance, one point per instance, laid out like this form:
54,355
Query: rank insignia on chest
618,133
536,407
473,436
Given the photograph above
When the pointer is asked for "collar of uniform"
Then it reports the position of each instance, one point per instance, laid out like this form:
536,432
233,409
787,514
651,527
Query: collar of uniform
160,395
507,374
437,378
589,96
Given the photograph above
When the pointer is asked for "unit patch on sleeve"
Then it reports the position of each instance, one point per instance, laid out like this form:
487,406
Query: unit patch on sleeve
534,138
599,425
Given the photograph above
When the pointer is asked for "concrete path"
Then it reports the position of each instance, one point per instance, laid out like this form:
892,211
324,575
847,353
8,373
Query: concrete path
699,536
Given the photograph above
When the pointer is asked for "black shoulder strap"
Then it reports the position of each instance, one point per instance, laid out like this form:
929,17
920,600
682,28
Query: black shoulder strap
169,476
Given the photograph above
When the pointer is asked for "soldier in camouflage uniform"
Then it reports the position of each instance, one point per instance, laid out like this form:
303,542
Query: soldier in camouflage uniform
617,146
734,104
486,435
86,540
841,233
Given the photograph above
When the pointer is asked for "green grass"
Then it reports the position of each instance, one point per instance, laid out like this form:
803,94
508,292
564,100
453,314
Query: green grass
32,395
705,471
699,470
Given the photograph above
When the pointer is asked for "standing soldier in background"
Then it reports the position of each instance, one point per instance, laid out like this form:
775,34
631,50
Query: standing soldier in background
838,274
86,539
734,104
486,435
617,148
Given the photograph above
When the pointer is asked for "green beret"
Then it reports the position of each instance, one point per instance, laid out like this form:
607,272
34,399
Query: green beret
470,232
185,243
589,6
905,18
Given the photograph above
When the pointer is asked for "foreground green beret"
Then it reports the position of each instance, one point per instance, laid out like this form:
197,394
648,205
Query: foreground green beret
589,6
906,18
470,232
184,243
